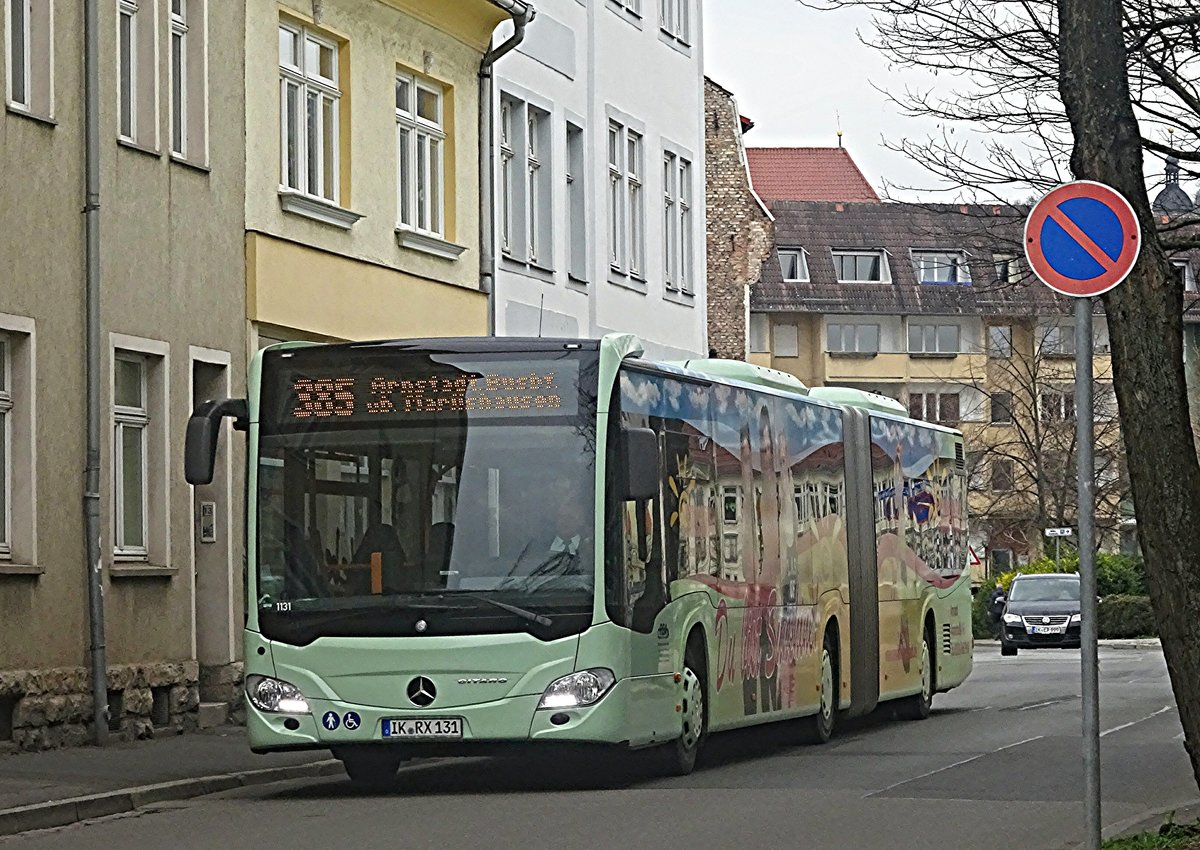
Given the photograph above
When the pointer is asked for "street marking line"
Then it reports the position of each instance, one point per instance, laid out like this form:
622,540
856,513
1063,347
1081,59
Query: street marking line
1162,710
952,766
1047,702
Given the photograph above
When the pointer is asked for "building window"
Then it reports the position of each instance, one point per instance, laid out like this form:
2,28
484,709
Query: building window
28,54
137,107
861,266
793,262
673,19
941,267
6,417
677,221
525,190
129,452
1001,408
1107,470
1003,479
1058,340
577,224
999,341
1057,406
933,339
940,407
975,477
189,110
1002,561
310,101
760,333
852,338
1184,274
1106,403
787,341
420,139
629,7
1007,268
626,203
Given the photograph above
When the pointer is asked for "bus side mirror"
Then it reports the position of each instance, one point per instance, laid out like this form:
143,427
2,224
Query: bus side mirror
203,431
641,463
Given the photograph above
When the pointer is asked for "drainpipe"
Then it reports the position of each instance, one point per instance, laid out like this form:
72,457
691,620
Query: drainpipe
91,487
521,13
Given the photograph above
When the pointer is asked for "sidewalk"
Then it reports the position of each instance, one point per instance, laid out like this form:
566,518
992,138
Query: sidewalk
55,788
1106,643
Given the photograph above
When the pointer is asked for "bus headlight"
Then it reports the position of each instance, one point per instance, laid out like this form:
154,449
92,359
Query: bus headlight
579,689
267,694
1012,619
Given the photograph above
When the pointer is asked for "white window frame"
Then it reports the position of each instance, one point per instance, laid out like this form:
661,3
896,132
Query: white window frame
507,187
328,93
127,418
526,190
1006,267
674,20
415,201
24,73
927,263
1056,405
536,123
678,238
858,327
885,274
187,38
18,430
6,444
801,256
937,327
627,198
36,71
128,9
1063,336
154,417
935,396
1012,475
1189,275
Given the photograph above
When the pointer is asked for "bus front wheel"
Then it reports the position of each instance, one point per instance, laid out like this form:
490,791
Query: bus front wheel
681,755
371,770
918,706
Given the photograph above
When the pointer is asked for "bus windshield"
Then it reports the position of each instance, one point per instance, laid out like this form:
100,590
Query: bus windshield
454,489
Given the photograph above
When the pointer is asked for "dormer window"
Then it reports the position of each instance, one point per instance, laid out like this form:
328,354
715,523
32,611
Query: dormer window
941,267
793,262
861,266
1184,274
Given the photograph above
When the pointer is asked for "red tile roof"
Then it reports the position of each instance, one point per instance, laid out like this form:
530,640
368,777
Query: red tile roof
808,174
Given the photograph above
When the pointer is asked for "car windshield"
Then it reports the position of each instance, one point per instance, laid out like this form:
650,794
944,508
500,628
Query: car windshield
420,482
1065,589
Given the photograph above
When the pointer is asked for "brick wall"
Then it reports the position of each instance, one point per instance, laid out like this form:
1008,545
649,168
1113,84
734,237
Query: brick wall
740,234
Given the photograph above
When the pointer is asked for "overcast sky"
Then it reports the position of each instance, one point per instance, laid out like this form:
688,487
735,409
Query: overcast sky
794,71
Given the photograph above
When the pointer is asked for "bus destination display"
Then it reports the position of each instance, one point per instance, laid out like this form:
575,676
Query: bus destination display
533,392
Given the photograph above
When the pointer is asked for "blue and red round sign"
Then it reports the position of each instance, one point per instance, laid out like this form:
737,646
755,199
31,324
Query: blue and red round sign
1082,239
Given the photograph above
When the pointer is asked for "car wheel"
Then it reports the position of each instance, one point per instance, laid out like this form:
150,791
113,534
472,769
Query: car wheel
918,706
372,771
818,728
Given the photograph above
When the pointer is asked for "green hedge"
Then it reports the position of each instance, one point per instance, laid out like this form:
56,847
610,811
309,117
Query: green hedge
1117,577
1125,616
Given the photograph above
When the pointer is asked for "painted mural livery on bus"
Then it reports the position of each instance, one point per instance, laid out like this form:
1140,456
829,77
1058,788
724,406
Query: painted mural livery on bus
461,545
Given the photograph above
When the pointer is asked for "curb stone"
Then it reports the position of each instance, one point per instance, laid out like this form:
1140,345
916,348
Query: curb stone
75,809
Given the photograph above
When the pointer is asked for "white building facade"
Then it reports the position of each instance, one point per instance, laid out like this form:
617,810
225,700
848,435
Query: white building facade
600,175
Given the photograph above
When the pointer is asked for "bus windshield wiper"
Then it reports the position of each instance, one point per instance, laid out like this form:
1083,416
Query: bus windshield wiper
523,613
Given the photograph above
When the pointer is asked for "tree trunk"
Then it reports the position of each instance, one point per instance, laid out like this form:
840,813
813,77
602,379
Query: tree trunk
1145,327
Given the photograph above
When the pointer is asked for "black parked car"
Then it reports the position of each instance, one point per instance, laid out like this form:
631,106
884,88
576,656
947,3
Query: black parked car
1041,610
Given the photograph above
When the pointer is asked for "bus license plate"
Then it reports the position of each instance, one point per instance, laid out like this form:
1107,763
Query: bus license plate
423,727
1049,630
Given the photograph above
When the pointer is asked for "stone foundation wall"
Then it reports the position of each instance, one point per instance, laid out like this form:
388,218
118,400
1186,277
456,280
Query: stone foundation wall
45,709
223,683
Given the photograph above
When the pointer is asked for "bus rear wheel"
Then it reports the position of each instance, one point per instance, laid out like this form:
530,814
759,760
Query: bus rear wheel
371,770
918,706
818,728
681,755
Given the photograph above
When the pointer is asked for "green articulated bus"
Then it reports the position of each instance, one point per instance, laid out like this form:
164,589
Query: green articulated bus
455,546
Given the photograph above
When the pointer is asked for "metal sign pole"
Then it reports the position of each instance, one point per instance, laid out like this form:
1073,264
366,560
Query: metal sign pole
1087,572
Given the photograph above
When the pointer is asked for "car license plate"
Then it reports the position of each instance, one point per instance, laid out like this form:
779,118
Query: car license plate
1048,630
423,727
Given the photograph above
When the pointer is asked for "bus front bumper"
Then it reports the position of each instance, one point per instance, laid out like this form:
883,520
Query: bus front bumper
508,721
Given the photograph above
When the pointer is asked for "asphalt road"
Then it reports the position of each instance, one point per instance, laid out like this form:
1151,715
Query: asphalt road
998,765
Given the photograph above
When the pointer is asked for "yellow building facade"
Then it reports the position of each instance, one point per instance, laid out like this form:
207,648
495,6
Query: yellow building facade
362,168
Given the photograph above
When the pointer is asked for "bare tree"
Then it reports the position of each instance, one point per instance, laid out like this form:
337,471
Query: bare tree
1083,89
1023,461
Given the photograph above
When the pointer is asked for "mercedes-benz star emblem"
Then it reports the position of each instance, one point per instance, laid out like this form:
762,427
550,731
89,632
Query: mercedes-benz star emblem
421,692
422,625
